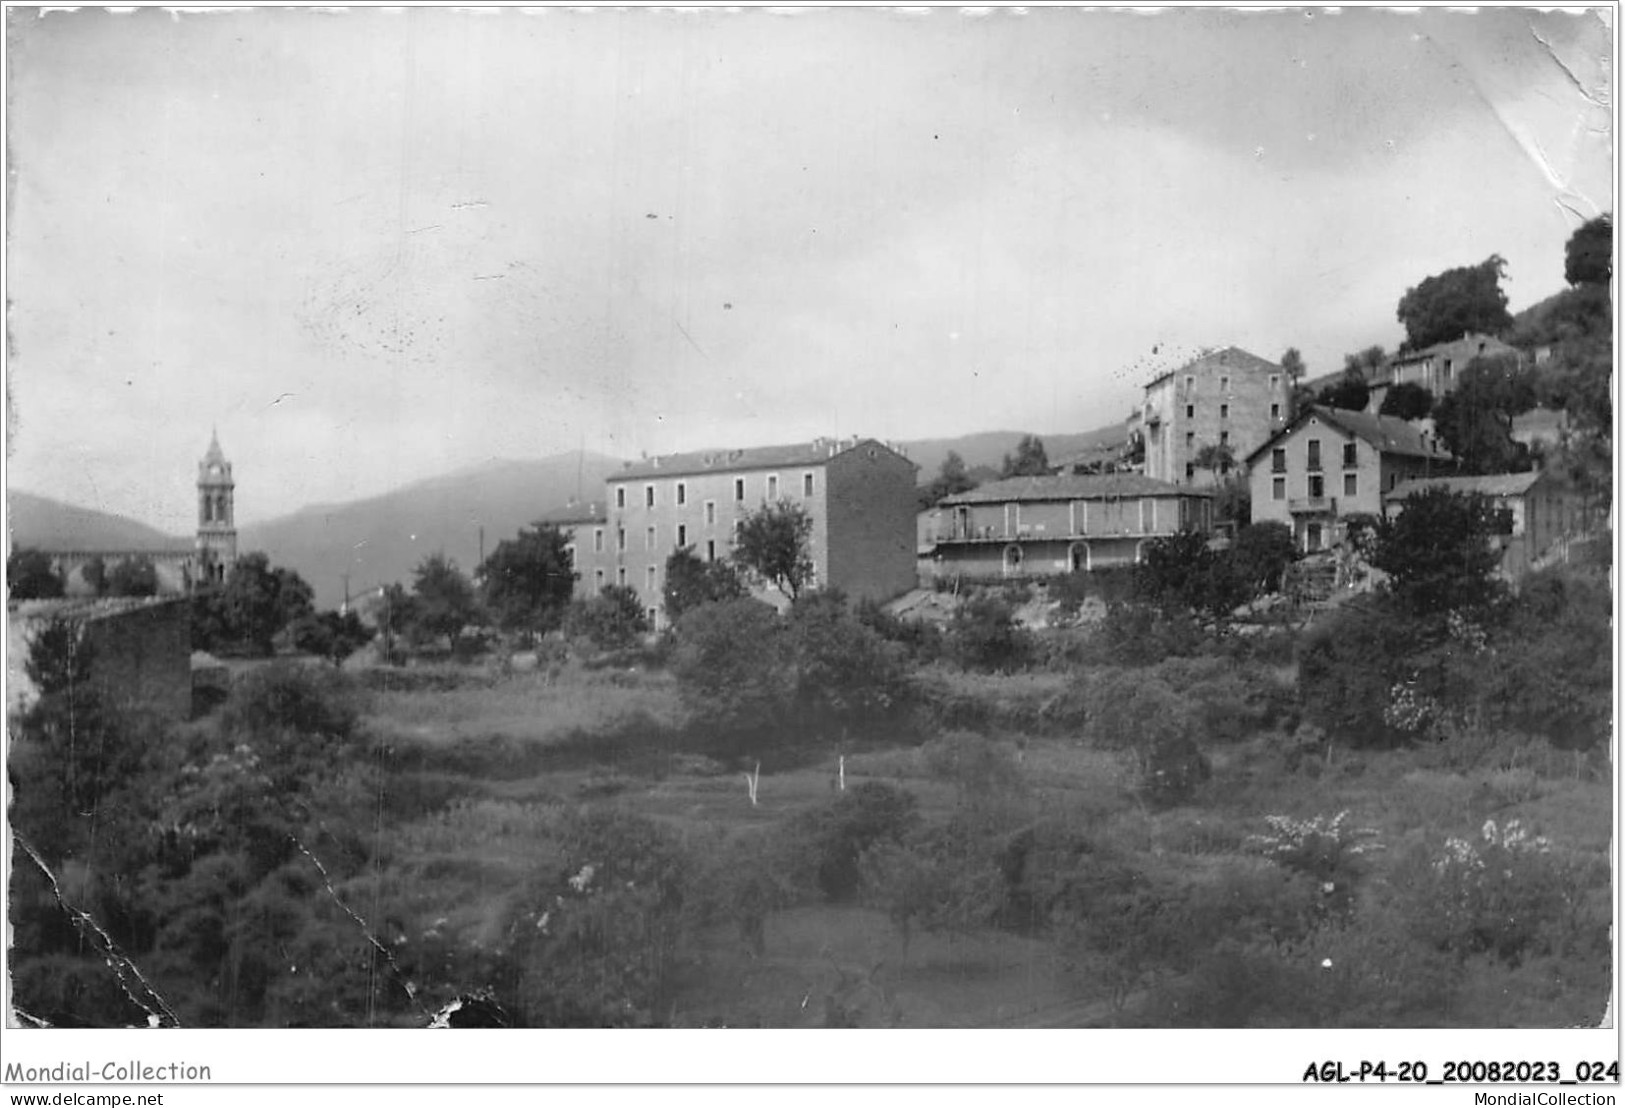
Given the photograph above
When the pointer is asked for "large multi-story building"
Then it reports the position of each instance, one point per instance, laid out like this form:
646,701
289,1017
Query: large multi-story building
859,493
1329,464
1042,526
1225,398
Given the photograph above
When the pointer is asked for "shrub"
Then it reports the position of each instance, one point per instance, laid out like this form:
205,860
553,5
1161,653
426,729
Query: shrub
612,620
826,843
984,635
1135,634
845,674
977,767
921,638
733,667
1140,713
1331,853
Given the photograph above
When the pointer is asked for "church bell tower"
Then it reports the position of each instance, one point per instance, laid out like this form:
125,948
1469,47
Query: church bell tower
216,514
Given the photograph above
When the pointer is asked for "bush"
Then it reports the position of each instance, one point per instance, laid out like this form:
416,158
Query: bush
289,697
984,635
921,638
733,667
975,765
845,674
612,620
1140,713
826,843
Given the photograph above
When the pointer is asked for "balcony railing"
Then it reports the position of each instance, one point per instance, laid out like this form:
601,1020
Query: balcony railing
1312,505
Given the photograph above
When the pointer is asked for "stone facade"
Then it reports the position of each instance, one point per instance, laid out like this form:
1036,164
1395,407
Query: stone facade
141,650
859,493
1329,464
1224,398
1044,526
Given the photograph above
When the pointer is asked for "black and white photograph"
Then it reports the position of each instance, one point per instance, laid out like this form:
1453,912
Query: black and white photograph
901,519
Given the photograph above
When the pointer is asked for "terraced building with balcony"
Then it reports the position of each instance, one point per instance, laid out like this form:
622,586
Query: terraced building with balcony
1042,526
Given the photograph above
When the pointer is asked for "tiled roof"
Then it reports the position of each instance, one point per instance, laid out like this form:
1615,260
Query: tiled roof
1389,434
1494,484
816,452
1072,487
1231,357
591,512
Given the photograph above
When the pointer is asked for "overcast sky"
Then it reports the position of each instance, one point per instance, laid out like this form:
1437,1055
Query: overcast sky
373,247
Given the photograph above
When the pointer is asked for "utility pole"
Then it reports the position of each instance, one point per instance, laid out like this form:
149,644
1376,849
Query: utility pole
345,577
482,545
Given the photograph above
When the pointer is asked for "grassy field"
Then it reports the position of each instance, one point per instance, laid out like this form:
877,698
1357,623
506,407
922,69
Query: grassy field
453,871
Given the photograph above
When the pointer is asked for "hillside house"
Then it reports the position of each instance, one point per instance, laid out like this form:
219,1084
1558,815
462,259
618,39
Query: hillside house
1329,464
140,650
1437,368
860,494
1042,526
1539,511
1227,398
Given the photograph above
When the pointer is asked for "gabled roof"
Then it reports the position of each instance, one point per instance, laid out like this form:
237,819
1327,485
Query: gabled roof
593,511
816,452
1105,486
1231,357
1389,434
1494,484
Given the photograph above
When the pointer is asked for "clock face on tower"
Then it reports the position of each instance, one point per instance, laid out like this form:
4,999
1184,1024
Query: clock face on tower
214,471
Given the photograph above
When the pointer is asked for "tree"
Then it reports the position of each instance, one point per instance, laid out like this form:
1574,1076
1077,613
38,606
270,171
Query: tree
444,599
846,674
1450,304
691,582
1475,421
1351,394
732,666
1261,553
1438,554
94,573
527,580
612,620
133,577
258,601
30,575
1029,460
1588,258
1292,362
952,478
1407,400
771,544
1219,459
331,635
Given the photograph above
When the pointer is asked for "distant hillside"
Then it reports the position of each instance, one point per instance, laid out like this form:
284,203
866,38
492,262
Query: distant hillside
990,447
38,521
382,539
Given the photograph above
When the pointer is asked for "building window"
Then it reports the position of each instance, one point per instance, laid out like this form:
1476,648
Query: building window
710,513
1275,411
682,493
648,496
1317,486
682,535
772,488
1224,411
620,496
710,550
620,576
806,484
620,538
1190,470
597,540
649,539
650,578
1278,488
1278,460
1351,455
654,618
1350,484
1190,411
1224,438
598,580
1275,380
1190,385
739,488
570,555
1224,384
1311,537
1314,453
1190,440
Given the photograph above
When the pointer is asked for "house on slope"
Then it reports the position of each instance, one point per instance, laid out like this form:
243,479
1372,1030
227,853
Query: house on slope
1537,510
1043,526
1329,464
